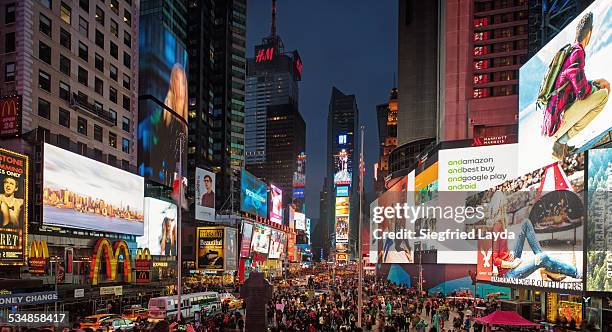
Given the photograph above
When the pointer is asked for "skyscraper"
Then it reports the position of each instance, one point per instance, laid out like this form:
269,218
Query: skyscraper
387,138
342,160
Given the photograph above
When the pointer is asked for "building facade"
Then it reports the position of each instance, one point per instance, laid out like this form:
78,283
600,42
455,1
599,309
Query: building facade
386,115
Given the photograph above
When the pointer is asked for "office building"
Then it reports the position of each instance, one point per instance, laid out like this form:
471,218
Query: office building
386,115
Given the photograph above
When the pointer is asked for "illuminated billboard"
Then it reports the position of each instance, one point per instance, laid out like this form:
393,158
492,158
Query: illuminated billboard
544,208
245,244
82,193
563,100
253,195
261,239
299,176
277,244
426,185
300,220
10,116
291,247
343,173
342,229
342,206
276,200
599,226
210,248
342,191
204,195
159,227
230,249
13,207
298,192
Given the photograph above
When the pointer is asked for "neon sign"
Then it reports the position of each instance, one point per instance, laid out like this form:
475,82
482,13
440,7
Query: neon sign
264,54
298,65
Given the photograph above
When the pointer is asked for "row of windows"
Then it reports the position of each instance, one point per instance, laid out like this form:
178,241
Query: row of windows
66,10
496,91
44,110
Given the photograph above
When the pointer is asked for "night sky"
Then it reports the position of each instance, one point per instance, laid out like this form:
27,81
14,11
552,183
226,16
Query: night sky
350,44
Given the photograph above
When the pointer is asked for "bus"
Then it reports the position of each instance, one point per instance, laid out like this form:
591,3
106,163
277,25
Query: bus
165,307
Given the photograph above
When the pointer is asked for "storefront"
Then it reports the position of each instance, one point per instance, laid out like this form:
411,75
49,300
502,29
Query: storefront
563,310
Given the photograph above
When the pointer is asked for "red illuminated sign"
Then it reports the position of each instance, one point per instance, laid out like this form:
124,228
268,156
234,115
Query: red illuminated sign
298,65
10,116
264,54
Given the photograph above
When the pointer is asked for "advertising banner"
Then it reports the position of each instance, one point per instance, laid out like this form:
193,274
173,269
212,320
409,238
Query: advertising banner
300,220
373,256
10,116
291,247
342,191
299,176
342,229
82,193
342,206
343,173
159,228
426,185
253,195
13,207
205,195
261,239
599,226
564,91
277,244
245,245
544,209
231,247
210,248
276,210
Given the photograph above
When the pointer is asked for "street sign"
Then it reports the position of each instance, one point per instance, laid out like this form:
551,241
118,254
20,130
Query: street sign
79,292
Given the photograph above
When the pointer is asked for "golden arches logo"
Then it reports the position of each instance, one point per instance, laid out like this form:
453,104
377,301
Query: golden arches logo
39,249
9,107
111,255
143,254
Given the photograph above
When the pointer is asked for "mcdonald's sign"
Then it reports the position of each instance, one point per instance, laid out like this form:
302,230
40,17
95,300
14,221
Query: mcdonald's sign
38,255
142,264
10,116
111,255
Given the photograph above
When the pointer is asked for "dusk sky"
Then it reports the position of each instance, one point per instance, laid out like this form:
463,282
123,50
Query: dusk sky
349,44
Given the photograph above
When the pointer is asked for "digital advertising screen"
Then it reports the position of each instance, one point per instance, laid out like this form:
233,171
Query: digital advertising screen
343,172
291,247
245,244
599,226
373,255
204,195
298,192
426,185
342,206
300,220
253,195
210,248
342,191
162,104
566,110
531,233
342,229
396,250
10,116
277,244
299,176
261,239
276,210
231,247
159,227
82,193
13,207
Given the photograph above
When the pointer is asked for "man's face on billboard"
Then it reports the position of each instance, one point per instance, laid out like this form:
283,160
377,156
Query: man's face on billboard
208,184
10,186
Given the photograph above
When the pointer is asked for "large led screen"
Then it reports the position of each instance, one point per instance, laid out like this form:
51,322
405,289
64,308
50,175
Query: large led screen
231,249
277,244
13,207
82,193
343,172
531,233
205,195
162,106
210,248
300,220
261,239
276,199
599,226
565,110
253,195
159,227
245,244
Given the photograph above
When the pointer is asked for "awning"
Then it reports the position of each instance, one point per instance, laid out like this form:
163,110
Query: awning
511,318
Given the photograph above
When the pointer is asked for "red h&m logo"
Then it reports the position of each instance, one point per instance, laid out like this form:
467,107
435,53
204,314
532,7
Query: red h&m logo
264,54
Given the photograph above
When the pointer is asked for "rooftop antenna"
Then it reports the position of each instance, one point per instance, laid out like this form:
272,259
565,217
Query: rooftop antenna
273,28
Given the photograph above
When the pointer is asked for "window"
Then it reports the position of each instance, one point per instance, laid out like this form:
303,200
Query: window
83,26
112,139
97,133
503,90
99,39
64,65
114,4
84,4
480,79
9,13
127,39
64,117
44,25
44,81
126,103
99,86
127,17
113,72
64,91
112,94
99,62
126,81
98,106
113,116
114,50
44,52
83,51
44,108
82,126
83,76
481,93
65,38
112,160
9,72
82,148
114,28
44,134
125,146
127,60
126,124
65,13
9,42
63,141
100,15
